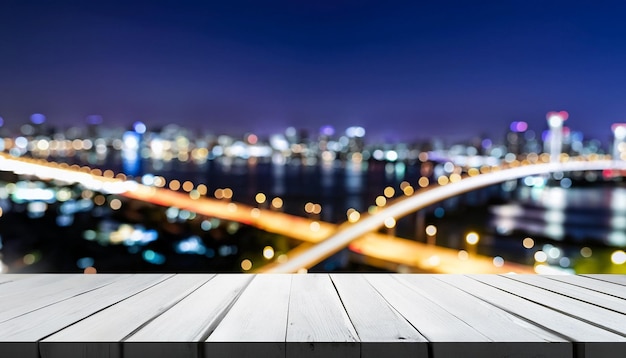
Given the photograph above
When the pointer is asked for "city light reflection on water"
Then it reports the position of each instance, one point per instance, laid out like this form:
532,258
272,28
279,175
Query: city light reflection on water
75,231
565,219
595,212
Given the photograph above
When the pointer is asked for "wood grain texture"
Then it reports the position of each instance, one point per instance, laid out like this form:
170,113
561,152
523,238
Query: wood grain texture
494,323
189,321
50,293
590,283
381,329
431,320
24,331
101,332
564,325
17,287
486,330
594,297
318,325
44,321
10,277
619,279
256,325
337,315
593,314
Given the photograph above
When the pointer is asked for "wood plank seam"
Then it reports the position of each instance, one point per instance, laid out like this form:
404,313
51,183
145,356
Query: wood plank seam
409,286
573,284
569,314
533,302
170,305
564,294
358,339
380,328
318,324
403,316
104,308
600,278
500,325
288,306
525,319
65,298
256,324
590,281
221,316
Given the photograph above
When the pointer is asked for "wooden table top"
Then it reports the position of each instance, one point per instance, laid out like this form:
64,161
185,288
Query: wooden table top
311,315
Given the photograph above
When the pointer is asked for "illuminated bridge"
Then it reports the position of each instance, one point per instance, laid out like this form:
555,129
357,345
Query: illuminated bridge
323,239
423,199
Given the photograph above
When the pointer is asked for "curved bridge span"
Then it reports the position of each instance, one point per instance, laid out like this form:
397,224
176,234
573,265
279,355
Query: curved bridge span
408,205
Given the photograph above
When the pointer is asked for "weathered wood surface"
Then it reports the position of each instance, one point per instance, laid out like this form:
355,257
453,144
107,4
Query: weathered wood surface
315,315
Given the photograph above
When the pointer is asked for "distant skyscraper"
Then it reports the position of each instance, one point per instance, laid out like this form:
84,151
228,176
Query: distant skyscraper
554,139
131,161
619,141
515,137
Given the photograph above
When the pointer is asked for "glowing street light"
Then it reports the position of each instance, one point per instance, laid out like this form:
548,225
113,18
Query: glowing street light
268,252
260,198
390,224
431,234
277,203
472,238
618,257
555,137
353,215
313,209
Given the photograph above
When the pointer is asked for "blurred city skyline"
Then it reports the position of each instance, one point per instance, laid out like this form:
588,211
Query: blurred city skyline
404,71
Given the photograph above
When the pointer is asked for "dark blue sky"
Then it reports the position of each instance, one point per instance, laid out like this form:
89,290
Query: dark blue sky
412,69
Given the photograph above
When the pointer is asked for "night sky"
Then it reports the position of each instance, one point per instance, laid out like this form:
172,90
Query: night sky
403,70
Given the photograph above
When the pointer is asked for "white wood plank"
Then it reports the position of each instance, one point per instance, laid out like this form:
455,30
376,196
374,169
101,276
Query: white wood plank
590,283
581,294
382,330
256,325
318,325
430,319
99,334
188,322
31,327
494,323
618,279
10,277
151,315
40,323
449,335
598,316
27,300
569,327
28,285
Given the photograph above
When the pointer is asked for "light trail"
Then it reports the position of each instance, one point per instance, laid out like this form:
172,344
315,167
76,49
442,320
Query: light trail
344,237
271,221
